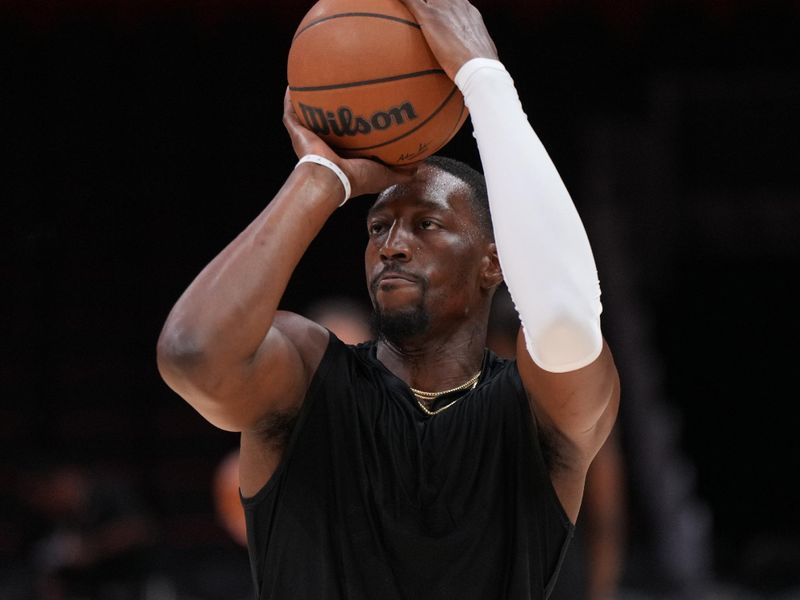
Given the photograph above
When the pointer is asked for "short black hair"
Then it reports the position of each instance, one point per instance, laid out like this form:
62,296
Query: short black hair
475,181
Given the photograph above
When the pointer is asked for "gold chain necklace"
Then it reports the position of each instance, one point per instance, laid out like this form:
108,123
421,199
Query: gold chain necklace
470,384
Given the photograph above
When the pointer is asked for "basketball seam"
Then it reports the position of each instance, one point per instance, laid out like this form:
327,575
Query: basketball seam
336,86
357,14
452,131
407,133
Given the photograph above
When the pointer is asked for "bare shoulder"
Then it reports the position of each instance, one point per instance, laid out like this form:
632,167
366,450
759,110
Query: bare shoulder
291,353
309,338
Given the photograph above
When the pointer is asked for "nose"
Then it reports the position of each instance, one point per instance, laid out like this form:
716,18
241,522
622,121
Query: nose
396,244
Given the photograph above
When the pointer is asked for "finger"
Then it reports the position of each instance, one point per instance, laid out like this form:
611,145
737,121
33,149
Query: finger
293,126
290,119
288,109
416,7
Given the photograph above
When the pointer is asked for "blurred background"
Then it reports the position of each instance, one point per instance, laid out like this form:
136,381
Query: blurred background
140,137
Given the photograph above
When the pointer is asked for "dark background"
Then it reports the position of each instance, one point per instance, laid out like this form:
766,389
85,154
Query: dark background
140,138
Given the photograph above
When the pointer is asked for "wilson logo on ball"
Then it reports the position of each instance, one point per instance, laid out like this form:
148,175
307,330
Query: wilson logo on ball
343,123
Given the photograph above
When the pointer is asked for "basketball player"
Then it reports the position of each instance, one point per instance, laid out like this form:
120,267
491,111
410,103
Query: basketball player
419,465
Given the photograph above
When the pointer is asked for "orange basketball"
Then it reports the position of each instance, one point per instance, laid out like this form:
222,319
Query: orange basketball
363,78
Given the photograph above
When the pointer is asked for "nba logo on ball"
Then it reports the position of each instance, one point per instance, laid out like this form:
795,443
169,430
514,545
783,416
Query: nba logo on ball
362,77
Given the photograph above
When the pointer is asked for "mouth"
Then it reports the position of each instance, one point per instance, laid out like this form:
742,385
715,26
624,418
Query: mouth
393,278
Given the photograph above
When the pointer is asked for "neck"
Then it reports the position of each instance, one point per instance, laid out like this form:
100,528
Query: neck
435,363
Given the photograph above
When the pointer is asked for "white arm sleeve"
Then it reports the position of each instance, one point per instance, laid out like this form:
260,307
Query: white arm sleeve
544,252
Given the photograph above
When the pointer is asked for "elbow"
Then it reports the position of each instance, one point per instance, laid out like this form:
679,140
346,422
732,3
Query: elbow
178,351
189,369
565,344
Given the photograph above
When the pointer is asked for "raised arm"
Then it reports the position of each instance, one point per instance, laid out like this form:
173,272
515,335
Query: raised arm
225,348
546,258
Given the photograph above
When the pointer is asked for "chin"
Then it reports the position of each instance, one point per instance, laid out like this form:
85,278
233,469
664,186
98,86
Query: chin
397,324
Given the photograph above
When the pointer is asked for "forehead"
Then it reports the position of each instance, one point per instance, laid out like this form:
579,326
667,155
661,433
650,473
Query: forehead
430,188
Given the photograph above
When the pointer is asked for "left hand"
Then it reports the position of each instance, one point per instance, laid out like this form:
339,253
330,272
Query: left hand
454,30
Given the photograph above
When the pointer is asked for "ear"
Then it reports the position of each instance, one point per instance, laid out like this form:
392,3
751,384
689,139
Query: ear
491,273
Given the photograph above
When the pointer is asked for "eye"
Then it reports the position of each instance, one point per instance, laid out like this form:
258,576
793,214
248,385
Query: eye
428,224
376,228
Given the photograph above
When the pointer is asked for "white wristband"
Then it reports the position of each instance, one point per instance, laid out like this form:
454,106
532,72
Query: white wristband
321,160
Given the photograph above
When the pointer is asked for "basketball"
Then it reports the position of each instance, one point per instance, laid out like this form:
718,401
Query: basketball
362,77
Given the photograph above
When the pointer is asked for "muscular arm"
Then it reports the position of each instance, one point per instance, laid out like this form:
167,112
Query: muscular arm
225,348
566,367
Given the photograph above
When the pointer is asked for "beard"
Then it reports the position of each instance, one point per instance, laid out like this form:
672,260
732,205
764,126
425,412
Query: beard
399,326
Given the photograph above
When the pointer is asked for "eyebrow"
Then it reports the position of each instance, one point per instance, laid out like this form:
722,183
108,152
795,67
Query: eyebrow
425,204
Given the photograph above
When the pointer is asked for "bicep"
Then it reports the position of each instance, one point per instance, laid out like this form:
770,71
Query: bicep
273,381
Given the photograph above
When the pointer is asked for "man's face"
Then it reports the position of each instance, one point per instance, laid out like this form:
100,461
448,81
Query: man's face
423,256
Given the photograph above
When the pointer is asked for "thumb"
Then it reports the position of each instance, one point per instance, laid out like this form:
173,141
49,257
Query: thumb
400,174
371,177
406,170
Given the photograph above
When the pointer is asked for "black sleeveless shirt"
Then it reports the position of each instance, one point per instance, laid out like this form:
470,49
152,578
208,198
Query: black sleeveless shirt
376,500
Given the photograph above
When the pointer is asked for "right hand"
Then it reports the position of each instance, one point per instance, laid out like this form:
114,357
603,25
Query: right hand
454,30
366,176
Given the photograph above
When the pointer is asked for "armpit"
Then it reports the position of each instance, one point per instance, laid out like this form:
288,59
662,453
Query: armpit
276,428
553,447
